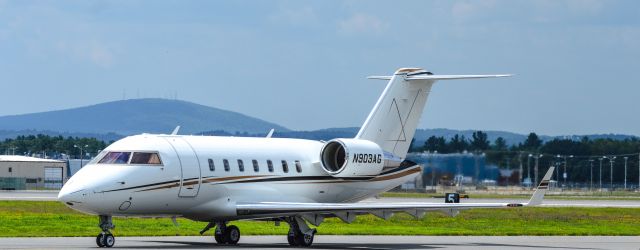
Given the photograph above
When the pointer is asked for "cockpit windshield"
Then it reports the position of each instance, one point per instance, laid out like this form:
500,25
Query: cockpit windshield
135,158
145,158
115,158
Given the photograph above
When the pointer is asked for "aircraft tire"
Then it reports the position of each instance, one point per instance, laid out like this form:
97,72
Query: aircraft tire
108,240
99,240
305,240
232,235
220,239
291,238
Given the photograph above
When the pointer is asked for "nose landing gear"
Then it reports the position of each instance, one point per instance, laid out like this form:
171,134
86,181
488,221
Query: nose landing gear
105,238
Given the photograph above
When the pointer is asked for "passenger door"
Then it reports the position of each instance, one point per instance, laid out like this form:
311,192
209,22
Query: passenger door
190,167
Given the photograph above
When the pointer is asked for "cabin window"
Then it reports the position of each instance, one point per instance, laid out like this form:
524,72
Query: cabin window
285,167
226,165
10,169
212,167
270,166
145,158
115,158
298,167
240,165
256,168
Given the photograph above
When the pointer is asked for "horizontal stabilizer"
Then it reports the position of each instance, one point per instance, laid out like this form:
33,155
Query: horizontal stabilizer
440,77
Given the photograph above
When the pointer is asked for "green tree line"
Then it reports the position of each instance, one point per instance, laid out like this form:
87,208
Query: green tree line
51,146
580,155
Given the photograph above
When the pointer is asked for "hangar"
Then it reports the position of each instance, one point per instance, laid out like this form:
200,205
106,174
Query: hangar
22,172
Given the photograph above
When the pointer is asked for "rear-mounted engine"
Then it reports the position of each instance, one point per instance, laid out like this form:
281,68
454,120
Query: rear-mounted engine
352,158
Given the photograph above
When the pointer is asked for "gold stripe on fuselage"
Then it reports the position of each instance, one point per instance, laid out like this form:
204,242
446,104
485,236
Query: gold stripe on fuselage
271,178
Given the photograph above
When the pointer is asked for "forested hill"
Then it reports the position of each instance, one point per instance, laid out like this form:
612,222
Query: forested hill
113,120
136,116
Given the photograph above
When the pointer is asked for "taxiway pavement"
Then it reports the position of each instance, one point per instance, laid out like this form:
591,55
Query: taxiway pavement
29,195
339,242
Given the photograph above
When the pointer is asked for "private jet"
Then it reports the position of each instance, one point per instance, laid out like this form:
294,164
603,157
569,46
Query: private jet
217,179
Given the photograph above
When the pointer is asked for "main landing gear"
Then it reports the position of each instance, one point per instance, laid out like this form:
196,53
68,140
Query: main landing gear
300,235
224,234
105,238
299,232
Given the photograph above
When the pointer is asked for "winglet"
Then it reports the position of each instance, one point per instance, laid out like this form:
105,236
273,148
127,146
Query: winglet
538,195
270,133
175,131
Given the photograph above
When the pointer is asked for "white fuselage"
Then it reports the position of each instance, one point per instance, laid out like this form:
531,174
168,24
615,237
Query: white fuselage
193,180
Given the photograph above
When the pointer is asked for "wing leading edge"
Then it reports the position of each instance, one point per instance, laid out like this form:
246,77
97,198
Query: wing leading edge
348,211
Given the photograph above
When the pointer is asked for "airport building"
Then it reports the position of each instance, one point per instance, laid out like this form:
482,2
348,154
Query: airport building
22,172
454,169
75,165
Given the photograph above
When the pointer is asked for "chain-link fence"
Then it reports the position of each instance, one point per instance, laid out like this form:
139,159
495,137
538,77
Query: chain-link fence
13,183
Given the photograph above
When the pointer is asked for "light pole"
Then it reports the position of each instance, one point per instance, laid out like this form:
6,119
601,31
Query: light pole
529,167
591,182
625,172
81,156
557,163
520,174
566,165
535,169
601,159
611,160
564,175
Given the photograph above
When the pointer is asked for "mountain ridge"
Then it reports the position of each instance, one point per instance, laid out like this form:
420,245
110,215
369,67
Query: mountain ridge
134,116
113,120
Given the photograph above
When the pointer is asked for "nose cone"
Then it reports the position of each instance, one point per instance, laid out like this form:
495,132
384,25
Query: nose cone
71,193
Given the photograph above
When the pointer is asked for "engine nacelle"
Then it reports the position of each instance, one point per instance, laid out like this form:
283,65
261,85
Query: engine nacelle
352,158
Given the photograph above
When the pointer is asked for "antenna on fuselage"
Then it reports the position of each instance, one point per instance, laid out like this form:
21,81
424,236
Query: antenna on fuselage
175,131
270,133
173,218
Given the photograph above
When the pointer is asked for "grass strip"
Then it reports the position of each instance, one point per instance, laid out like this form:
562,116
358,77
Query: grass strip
52,219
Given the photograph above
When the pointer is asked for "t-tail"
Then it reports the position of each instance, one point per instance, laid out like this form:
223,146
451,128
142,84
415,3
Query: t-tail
393,120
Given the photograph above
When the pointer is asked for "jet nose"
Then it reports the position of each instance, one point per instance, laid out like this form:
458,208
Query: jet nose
71,194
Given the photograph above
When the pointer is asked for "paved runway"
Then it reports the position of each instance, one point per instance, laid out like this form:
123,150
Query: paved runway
52,196
339,242
546,202
29,195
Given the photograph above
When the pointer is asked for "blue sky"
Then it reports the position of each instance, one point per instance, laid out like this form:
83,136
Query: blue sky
303,64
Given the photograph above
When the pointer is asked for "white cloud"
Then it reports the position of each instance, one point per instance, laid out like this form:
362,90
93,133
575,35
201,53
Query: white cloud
94,51
46,31
584,7
362,23
295,16
467,10
549,11
100,55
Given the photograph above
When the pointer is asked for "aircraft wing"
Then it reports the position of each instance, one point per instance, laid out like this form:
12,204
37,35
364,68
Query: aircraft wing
313,212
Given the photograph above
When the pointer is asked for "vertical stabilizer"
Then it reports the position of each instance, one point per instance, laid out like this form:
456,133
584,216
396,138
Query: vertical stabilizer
393,120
